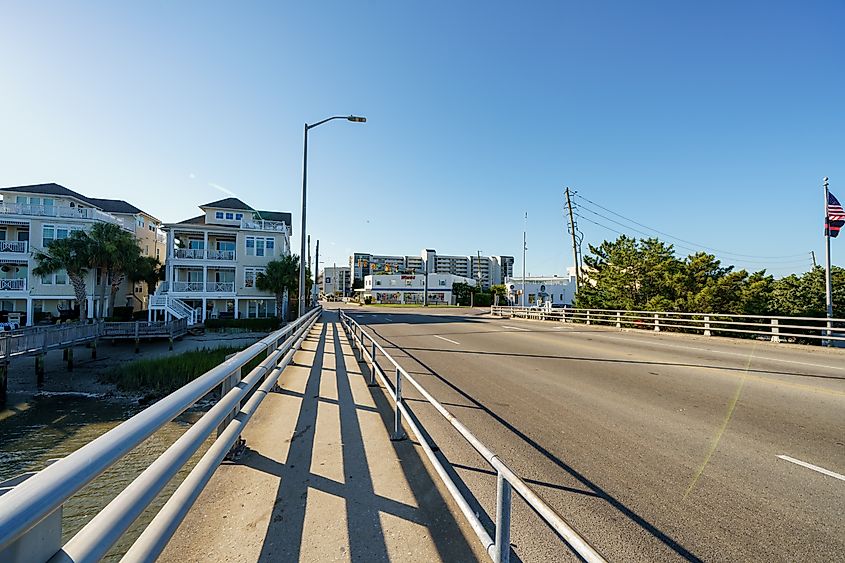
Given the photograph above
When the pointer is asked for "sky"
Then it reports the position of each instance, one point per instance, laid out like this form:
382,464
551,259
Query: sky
711,122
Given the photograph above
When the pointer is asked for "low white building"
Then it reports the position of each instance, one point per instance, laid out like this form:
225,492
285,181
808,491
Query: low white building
541,290
410,288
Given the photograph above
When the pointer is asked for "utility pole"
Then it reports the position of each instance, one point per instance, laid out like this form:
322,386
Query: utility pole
574,241
314,290
813,254
524,248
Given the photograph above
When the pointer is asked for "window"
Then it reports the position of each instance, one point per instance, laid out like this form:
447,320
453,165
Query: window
3,233
229,216
226,245
250,246
270,244
443,282
239,216
250,274
48,233
260,246
20,199
218,215
378,282
48,201
59,278
35,201
140,221
55,232
196,244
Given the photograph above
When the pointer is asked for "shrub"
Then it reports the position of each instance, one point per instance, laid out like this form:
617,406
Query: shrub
253,325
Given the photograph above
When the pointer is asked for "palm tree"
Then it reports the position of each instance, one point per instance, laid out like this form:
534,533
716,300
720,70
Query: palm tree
112,250
280,276
69,254
146,269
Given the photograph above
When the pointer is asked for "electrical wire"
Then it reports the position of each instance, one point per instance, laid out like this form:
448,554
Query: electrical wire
722,252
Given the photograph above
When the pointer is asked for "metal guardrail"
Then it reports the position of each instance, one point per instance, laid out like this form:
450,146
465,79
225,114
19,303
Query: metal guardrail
506,480
38,497
774,328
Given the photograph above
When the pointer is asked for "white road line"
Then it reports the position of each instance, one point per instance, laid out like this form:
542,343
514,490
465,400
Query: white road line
446,339
514,328
813,467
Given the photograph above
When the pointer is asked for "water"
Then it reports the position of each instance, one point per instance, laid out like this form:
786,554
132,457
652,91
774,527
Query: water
36,429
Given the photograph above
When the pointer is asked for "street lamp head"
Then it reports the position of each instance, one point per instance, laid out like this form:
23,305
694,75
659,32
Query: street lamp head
357,119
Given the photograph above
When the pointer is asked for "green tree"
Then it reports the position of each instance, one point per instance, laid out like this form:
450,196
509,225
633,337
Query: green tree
280,275
462,292
71,255
112,250
500,291
148,270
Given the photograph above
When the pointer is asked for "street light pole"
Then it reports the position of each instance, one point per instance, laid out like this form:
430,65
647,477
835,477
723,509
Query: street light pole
352,118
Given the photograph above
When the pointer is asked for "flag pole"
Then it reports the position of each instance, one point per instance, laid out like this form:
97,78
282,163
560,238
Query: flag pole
828,288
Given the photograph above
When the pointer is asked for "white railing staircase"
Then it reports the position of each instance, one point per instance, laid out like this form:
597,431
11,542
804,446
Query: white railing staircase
161,300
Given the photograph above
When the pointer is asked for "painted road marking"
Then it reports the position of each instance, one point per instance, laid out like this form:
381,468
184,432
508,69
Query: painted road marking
813,467
444,338
514,328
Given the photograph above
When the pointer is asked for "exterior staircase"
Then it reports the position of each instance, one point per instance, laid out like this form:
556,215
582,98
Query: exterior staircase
161,300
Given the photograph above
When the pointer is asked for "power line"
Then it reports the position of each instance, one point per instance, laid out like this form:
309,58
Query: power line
723,252
775,265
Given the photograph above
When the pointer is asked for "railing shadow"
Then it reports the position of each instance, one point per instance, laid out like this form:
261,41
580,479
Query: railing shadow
598,491
364,508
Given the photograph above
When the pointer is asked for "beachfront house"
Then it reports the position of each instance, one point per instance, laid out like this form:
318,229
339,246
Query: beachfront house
213,260
30,217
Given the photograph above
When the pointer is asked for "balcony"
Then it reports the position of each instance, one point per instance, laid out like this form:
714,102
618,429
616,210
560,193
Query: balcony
13,284
200,254
58,212
262,225
200,287
14,246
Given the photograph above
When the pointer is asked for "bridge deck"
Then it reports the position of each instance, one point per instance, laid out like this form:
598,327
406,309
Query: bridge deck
321,480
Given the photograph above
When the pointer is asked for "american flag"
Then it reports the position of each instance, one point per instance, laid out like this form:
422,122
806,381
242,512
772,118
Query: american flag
835,216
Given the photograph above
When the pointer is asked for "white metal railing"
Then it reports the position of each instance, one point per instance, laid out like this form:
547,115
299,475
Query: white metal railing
13,284
774,328
187,286
499,548
60,212
262,225
22,508
176,307
14,246
220,287
202,254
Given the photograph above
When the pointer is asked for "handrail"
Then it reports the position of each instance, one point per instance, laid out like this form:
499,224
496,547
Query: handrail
772,326
26,505
498,549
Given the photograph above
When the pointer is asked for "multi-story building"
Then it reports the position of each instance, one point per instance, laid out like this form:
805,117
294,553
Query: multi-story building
491,270
410,288
336,281
32,216
213,261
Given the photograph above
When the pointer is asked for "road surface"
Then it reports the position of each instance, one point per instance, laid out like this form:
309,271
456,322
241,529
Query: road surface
655,447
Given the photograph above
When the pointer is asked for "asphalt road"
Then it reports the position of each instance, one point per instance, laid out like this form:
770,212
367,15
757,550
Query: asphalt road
655,447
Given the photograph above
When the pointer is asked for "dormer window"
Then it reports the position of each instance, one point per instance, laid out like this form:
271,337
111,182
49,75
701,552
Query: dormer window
218,215
239,216
230,216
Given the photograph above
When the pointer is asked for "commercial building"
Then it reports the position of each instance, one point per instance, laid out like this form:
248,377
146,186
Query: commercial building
410,288
541,290
213,260
336,281
492,270
32,216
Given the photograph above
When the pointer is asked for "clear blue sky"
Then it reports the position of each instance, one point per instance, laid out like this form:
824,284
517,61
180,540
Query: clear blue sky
714,122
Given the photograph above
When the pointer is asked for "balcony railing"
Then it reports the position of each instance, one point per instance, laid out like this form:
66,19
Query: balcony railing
13,284
262,225
201,254
60,212
199,287
220,287
14,246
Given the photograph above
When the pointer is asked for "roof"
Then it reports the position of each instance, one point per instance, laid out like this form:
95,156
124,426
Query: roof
49,189
228,203
276,216
199,220
114,205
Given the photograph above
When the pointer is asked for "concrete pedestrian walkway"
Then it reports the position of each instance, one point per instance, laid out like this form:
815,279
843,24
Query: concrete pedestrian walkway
321,480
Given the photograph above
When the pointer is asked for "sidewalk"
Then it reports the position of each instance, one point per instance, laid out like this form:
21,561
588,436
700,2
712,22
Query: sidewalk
321,480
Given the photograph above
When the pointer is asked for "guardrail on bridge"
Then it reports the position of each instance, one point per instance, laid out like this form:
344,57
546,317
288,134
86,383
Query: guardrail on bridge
499,548
774,328
28,504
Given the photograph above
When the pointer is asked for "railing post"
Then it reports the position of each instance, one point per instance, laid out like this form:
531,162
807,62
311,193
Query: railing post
706,325
372,382
398,433
588,316
618,319
656,323
137,341
775,331
502,548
